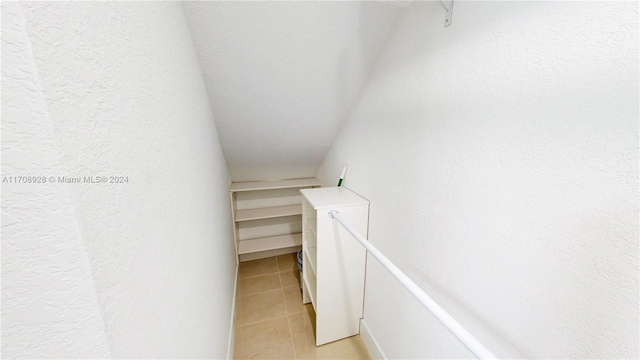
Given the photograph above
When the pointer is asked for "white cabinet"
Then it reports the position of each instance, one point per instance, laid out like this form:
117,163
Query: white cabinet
334,261
267,216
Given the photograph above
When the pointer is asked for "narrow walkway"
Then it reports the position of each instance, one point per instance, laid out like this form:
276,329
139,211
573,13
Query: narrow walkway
272,322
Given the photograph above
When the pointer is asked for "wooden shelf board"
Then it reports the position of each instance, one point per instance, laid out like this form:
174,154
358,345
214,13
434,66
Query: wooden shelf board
266,213
269,243
268,185
313,226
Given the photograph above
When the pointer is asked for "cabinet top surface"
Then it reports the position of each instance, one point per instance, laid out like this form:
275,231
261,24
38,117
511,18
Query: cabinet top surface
332,196
280,184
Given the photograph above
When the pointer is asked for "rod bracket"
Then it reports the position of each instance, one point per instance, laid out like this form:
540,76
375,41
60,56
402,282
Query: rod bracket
333,213
448,6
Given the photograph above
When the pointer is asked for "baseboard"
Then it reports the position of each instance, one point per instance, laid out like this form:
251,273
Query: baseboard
232,326
370,341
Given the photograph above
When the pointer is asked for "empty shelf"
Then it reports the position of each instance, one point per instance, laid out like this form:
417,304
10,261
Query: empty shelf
312,257
266,213
269,243
282,184
313,226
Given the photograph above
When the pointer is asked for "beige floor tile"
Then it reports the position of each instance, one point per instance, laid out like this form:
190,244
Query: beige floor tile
302,327
238,313
287,262
262,306
258,284
349,348
272,322
269,339
290,278
237,344
257,267
302,321
293,299
304,344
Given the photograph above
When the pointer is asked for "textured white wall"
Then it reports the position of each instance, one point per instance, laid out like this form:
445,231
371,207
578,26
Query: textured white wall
137,270
49,303
282,76
500,156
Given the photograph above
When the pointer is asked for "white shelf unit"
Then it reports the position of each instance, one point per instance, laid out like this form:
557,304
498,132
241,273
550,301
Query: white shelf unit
267,216
333,262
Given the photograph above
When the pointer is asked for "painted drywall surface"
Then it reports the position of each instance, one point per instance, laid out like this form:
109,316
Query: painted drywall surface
125,97
49,304
282,76
500,156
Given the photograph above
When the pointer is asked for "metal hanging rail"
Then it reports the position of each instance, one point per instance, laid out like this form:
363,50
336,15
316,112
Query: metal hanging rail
471,343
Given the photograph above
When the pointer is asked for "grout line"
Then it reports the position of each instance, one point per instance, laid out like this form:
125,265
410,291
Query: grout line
295,355
286,308
278,271
275,289
281,288
293,346
261,292
272,318
254,276
279,276
265,320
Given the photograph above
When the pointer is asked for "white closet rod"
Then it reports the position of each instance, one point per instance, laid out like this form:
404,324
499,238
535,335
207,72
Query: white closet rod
476,348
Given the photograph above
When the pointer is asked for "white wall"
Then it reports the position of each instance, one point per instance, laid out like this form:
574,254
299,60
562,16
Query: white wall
500,156
143,269
282,75
49,303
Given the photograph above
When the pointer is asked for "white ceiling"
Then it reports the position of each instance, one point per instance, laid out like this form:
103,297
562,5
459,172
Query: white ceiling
282,76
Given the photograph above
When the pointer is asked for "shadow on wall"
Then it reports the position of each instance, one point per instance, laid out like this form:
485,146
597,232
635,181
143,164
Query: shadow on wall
513,125
454,304
372,18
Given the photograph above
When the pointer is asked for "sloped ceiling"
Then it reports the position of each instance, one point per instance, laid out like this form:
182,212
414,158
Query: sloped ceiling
283,75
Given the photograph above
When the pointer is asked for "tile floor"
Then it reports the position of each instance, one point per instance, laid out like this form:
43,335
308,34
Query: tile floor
272,322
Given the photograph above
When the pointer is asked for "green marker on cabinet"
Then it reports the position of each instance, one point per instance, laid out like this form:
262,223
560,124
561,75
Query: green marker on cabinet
344,171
